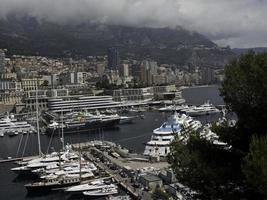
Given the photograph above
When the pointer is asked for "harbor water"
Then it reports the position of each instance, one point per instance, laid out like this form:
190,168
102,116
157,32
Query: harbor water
132,136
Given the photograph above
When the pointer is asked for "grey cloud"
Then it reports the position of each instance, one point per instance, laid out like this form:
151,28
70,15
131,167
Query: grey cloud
239,23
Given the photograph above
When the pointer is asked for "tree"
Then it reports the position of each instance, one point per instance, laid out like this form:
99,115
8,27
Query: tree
244,91
220,173
159,193
204,167
255,164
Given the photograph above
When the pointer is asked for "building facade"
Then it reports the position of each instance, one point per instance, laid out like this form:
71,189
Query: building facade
31,83
132,94
10,92
42,96
78,103
2,63
113,58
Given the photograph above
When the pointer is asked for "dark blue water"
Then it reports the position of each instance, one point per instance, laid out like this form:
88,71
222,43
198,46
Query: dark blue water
132,136
199,95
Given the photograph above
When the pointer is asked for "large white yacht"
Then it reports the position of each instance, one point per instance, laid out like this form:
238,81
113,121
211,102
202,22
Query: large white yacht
159,145
173,108
204,109
94,185
102,192
10,125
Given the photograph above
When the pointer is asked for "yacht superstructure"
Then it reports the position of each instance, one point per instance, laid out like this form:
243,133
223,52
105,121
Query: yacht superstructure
83,121
159,145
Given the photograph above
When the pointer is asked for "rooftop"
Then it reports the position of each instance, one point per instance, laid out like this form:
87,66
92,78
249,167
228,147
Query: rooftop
151,178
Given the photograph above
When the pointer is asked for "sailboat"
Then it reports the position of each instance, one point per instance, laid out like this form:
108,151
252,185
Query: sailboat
23,168
62,178
42,161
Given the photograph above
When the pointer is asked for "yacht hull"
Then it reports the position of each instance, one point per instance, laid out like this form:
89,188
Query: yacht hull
85,127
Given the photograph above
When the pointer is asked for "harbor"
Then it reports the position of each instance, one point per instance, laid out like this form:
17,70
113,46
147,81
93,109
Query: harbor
121,156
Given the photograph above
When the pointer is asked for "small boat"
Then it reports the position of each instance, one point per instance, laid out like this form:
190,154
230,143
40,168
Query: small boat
101,192
126,119
11,133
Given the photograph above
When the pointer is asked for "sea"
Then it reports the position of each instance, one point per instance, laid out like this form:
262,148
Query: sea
132,136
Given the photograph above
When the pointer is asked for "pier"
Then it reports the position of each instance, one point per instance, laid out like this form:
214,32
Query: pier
113,164
121,181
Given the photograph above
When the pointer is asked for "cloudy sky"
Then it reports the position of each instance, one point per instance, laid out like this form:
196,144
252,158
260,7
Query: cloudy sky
238,23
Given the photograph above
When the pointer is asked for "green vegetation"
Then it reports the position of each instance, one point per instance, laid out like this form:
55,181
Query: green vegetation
159,193
240,172
245,93
255,165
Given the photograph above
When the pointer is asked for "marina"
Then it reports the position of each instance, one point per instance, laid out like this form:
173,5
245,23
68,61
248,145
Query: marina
130,162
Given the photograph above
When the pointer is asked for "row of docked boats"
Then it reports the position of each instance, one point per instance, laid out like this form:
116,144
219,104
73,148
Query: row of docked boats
65,170
204,109
9,125
85,121
71,122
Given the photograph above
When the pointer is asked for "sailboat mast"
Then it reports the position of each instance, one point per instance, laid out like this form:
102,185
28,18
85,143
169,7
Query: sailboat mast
37,120
80,161
63,145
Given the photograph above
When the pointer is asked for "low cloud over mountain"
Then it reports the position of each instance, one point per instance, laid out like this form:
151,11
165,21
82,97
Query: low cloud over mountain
239,23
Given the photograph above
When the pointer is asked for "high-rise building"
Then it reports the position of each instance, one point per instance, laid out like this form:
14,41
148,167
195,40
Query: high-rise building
2,63
124,70
207,75
148,69
113,58
100,69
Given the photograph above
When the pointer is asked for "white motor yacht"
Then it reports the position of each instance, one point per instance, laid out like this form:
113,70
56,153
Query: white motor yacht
204,109
101,192
94,185
159,145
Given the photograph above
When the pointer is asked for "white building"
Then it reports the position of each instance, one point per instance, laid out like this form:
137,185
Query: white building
77,103
133,94
70,78
124,70
10,92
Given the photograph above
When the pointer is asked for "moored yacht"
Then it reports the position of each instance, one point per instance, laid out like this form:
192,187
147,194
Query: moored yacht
173,108
55,181
26,166
101,192
127,119
94,185
159,145
9,125
83,121
204,109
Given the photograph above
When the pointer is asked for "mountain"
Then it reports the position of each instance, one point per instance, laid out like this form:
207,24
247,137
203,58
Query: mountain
29,37
240,51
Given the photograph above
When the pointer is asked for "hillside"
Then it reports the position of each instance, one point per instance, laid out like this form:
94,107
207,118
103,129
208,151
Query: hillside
27,36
